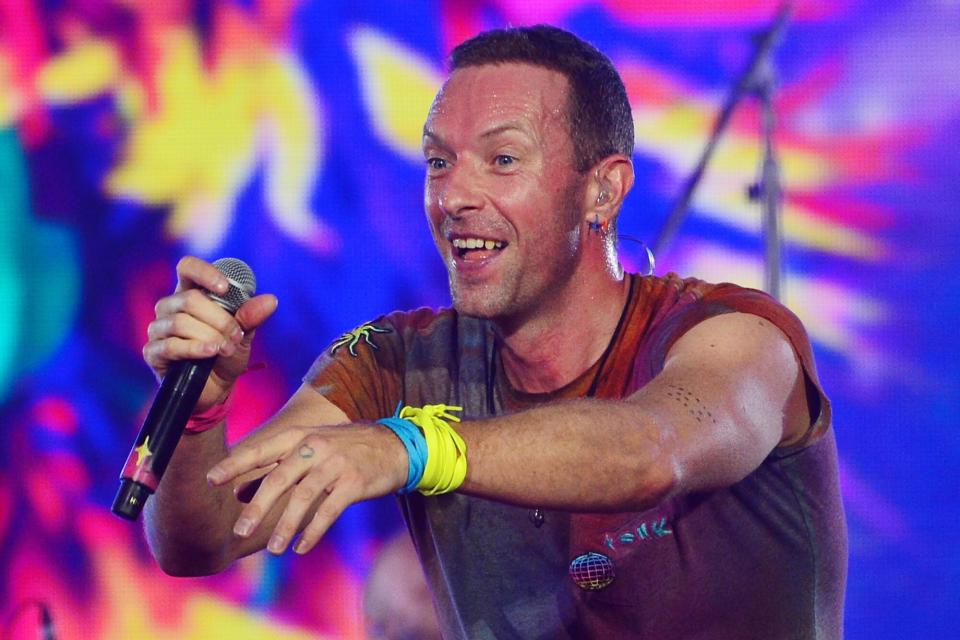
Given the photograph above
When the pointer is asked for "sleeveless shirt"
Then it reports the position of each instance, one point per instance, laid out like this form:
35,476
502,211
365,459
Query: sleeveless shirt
763,558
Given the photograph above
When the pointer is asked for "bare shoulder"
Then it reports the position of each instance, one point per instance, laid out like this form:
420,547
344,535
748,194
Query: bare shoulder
730,337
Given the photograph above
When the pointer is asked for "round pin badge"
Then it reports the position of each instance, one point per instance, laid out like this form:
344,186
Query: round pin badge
592,571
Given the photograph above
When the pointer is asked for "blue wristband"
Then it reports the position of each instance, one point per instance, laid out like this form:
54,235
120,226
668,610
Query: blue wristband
415,444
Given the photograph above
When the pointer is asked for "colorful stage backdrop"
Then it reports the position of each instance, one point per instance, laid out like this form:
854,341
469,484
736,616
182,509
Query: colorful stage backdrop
287,133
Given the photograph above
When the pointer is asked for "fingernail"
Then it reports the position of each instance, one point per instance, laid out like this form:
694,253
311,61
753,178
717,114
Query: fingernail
226,348
243,527
276,543
237,334
223,285
210,348
300,547
215,476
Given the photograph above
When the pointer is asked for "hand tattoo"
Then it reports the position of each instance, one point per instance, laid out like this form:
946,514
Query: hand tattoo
306,451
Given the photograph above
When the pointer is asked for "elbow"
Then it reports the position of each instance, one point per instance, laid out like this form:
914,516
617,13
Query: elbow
659,481
180,566
184,571
665,479
184,561
650,457
656,471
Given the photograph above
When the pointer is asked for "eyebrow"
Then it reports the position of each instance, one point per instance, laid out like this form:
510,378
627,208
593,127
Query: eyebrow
435,139
503,128
489,133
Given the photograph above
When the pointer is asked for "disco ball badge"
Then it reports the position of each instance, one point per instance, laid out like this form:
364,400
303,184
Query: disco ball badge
592,571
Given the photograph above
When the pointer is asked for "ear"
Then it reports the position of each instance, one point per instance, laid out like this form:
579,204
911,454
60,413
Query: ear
608,183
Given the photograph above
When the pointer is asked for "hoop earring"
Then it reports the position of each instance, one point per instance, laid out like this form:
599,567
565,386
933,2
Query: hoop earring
651,261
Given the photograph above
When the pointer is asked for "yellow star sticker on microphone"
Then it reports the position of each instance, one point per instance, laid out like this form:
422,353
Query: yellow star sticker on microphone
143,451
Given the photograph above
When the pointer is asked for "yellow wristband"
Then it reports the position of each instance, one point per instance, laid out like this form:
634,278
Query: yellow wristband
446,466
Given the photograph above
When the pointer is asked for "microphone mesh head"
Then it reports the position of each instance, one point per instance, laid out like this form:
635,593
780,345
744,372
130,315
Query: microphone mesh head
243,284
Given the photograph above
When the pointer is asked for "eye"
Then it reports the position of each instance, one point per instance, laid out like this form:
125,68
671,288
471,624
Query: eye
504,160
436,163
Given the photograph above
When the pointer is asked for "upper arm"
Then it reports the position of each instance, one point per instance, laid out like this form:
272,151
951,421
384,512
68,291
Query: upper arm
731,390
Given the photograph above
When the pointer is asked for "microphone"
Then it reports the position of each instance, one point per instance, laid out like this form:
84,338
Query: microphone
173,404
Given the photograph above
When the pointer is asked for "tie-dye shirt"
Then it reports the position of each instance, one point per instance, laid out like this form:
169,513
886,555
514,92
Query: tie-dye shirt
763,558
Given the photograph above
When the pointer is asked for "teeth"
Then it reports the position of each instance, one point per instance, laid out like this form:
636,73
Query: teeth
477,243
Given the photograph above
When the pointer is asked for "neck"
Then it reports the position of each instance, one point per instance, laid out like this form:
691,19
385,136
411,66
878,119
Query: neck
559,341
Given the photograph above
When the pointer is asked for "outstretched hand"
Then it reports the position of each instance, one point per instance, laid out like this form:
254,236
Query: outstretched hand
324,470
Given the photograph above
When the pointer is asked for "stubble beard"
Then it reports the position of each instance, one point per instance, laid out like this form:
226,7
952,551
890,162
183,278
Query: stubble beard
525,289
488,300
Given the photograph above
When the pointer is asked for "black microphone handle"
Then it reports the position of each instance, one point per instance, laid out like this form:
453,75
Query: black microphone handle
160,433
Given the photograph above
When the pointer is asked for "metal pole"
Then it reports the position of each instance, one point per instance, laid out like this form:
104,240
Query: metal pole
769,191
745,84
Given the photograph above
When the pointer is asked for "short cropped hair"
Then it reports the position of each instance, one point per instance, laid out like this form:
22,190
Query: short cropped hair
598,111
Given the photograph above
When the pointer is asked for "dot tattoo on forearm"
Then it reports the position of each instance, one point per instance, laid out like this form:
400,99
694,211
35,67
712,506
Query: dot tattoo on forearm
691,403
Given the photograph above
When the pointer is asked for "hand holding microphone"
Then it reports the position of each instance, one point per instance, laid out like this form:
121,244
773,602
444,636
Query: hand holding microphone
194,334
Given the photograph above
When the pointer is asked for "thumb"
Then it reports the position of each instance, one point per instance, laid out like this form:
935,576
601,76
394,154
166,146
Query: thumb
254,312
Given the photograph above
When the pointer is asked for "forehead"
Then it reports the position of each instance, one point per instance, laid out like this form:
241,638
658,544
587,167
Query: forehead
482,97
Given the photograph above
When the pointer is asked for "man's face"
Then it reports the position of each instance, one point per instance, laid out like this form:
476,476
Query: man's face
501,193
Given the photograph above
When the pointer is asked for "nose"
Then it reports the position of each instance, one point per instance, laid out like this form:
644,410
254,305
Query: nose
460,193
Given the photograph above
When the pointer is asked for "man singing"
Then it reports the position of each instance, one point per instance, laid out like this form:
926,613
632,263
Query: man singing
578,452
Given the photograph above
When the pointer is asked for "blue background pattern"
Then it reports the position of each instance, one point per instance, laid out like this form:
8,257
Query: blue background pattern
869,118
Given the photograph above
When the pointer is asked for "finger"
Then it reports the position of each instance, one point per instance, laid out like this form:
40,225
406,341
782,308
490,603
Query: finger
341,496
304,497
182,325
290,472
192,273
255,311
196,304
254,455
160,353
246,489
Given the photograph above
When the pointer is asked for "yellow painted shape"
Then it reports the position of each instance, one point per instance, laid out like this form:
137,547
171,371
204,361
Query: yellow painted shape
398,87
130,589
207,617
291,140
187,147
210,131
143,451
86,69
677,132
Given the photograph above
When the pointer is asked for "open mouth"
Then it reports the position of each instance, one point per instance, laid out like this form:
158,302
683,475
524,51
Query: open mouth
476,248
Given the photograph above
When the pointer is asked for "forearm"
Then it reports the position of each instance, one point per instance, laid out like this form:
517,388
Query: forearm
188,523
582,455
701,424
